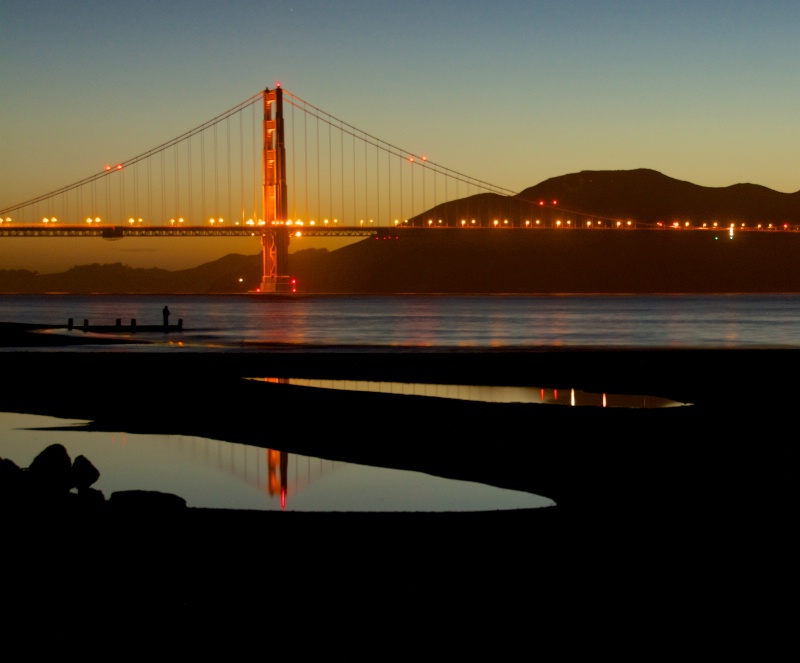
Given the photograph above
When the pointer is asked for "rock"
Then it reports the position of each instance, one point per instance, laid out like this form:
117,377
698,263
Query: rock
149,501
89,499
11,477
51,471
84,474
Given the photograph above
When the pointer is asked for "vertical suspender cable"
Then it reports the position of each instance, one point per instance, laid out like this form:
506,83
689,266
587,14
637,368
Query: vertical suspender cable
256,216
378,181
228,145
216,175
189,217
202,176
294,172
330,172
305,159
241,163
341,170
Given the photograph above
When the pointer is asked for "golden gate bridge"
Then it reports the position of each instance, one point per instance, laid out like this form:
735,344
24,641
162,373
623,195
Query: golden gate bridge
230,176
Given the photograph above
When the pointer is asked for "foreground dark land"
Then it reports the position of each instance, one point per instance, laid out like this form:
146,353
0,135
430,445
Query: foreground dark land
693,504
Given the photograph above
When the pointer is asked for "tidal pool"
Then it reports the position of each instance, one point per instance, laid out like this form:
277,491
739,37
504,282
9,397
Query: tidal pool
214,474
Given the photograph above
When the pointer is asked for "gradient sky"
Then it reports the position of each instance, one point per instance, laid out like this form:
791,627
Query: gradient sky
511,92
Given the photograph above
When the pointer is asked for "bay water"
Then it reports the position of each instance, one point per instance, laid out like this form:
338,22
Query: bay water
219,474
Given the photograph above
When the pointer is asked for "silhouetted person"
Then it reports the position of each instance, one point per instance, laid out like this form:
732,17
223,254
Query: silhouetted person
165,312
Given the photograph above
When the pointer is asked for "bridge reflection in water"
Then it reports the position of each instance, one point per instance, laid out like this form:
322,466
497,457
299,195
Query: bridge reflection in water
484,393
215,474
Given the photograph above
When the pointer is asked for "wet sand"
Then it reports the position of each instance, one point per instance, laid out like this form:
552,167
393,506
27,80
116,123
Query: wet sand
650,503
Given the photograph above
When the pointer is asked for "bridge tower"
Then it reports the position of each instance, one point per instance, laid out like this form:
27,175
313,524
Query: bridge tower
275,240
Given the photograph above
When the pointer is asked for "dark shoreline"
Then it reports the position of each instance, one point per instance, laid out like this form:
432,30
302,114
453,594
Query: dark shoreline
634,489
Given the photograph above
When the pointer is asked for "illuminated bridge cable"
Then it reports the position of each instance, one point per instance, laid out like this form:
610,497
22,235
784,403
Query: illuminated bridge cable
145,155
303,105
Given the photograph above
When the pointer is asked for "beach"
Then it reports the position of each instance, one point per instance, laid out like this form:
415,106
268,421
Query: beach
673,500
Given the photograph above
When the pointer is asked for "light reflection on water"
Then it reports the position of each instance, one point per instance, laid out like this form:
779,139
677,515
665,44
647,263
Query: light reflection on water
677,321
485,393
214,474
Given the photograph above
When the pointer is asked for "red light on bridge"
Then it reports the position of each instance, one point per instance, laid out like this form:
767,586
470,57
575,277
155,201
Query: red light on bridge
411,159
541,203
277,83
555,202
119,166
107,167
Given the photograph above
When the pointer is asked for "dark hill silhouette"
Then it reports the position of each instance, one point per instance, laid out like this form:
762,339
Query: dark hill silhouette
516,259
221,275
519,261
643,195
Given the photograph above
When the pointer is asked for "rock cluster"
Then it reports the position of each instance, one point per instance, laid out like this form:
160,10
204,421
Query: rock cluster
54,482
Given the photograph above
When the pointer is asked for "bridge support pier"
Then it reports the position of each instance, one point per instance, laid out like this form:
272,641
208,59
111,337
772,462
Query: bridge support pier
274,259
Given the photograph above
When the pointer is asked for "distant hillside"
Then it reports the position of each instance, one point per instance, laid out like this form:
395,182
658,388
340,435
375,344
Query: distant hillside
518,260
221,275
643,195
549,261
